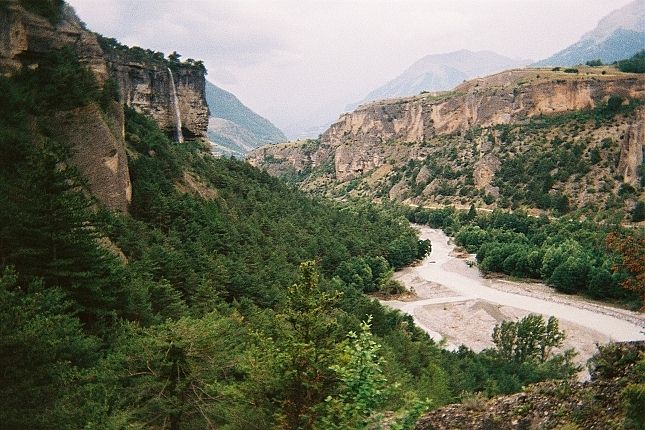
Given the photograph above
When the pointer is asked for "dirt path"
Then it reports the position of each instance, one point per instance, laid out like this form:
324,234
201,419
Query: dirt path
455,303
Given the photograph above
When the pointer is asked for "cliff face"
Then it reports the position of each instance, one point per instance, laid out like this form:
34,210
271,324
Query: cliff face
463,146
24,37
98,151
144,84
503,98
146,87
631,150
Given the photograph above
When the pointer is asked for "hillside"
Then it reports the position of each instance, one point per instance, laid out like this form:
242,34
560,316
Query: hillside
619,35
550,141
617,376
441,72
233,128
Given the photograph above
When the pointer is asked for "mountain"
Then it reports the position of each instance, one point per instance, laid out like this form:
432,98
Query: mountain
233,128
523,138
619,35
440,72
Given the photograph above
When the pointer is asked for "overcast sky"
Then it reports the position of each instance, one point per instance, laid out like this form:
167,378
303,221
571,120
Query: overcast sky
299,62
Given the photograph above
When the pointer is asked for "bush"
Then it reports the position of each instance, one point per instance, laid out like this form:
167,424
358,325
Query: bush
636,64
529,339
638,214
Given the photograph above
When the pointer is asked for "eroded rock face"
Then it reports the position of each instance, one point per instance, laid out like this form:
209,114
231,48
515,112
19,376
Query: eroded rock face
484,172
98,151
631,150
97,138
25,37
147,88
361,141
497,99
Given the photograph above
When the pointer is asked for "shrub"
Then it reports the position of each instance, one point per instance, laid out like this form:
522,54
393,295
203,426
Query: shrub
636,64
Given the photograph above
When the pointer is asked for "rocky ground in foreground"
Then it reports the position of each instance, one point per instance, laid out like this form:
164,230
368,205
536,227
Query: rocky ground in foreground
596,404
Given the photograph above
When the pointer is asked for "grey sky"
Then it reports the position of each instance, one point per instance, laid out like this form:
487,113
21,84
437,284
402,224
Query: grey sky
299,62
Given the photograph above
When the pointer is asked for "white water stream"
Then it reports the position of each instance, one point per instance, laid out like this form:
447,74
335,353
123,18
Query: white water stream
175,104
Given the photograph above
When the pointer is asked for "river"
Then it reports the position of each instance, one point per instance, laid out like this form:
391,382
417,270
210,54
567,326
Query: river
455,304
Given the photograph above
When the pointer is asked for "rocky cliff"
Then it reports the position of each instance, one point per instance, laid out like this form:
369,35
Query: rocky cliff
143,80
504,98
25,37
144,84
464,137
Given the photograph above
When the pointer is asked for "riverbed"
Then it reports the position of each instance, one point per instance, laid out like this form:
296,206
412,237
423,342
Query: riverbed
456,305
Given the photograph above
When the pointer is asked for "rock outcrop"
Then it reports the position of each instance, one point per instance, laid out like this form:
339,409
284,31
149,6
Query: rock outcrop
631,150
358,138
470,136
498,99
146,87
596,404
25,37
144,83
98,151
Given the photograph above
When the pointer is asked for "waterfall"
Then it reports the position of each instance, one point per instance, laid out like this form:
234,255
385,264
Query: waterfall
175,102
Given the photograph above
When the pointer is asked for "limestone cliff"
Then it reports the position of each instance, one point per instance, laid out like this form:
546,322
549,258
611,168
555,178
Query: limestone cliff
467,143
144,84
143,81
504,98
98,151
25,37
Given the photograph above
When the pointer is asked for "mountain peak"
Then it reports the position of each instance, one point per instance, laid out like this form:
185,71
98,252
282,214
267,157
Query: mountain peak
629,17
440,72
617,36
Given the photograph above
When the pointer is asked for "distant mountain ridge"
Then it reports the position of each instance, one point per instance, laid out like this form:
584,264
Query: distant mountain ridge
233,128
619,35
441,72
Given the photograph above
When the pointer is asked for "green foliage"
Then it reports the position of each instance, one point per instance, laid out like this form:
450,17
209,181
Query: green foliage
529,339
58,83
636,64
309,350
634,404
42,348
188,373
594,63
571,256
633,397
137,54
638,213
363,387
50,9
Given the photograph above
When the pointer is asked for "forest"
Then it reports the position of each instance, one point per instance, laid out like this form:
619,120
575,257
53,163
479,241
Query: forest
241,306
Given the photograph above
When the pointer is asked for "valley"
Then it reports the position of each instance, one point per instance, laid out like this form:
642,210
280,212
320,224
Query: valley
469,253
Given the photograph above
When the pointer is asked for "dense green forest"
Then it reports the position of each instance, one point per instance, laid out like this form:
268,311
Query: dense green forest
239,307
603,261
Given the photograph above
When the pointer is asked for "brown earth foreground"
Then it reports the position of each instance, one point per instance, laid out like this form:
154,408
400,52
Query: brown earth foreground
589,405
